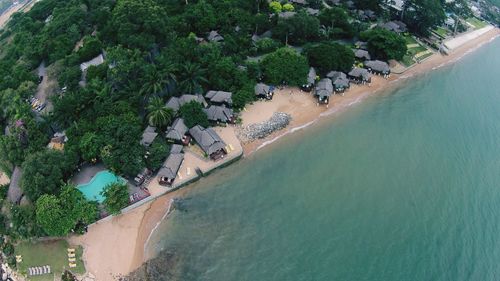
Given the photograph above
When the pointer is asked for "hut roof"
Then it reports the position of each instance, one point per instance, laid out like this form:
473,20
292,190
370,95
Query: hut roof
15,192
362,54
262,89
312,12
219,113
220,97
214,36
311,76
324,88
148,136
171,166
176,102
93,62
176,148
378,66
177,130
339,79
286,15
207,139
360,73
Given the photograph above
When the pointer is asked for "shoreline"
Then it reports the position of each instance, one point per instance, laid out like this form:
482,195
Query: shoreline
117,246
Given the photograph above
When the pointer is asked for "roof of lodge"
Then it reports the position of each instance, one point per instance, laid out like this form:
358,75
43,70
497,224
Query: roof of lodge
378,66
311,76
176,102
219,113
220,97
360,73
93,62
148,136
207,139
360,54
214,36
171,166
286,15
339,79
324,88
177,130
262,89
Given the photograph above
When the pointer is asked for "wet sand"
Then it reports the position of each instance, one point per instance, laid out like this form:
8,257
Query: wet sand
116,246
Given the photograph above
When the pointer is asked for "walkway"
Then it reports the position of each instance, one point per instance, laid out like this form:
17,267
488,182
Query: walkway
460,40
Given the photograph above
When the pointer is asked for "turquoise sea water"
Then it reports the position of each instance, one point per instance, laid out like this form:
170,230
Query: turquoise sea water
405,186
92,190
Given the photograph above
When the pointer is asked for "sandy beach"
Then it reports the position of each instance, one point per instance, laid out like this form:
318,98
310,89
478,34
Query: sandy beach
115,246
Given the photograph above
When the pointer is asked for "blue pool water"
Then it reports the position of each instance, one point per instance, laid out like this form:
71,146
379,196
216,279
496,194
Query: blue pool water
92,189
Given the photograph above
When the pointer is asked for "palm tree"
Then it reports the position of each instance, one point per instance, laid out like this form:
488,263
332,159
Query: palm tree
158,114
158,77
191,77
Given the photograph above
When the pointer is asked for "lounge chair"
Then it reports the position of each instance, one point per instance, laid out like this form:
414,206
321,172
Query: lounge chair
48,269
72,260
30,271
71,250
71,255
72,265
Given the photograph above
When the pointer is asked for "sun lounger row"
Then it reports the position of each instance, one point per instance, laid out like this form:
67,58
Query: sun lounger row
39,270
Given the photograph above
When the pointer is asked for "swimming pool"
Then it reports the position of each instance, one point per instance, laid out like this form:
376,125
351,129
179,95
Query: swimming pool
92,189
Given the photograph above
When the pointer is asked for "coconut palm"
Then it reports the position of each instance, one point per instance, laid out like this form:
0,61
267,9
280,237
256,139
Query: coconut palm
191,77
158,114
157,78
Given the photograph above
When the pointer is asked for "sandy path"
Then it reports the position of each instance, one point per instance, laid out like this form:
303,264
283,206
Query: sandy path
116,246
3,179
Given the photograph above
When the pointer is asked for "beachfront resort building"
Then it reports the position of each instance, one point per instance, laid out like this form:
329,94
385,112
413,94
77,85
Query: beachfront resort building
209,141
171,166
220,98
362,55
148,136
263,91
339,80
311,79
176,102
378,67
220,113
394,26
360,76
323,91
176,133
214,36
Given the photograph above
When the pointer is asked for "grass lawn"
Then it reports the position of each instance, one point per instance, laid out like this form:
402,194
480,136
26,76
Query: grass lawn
407,60
410,40
53,253
441,32
477,23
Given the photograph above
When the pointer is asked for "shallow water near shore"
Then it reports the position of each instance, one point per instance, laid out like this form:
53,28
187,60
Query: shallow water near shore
404,186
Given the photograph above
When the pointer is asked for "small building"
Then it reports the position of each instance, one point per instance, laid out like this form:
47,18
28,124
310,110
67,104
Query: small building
220,113
256,38
378,67
395,26
15,193
312,12
177,132
323,90
58,141
264,91
220,98
286,15
93,62
170,168
299,2
339,80
362,55
361,45
359,75
148,136
176,102
311,79
214,36
209,141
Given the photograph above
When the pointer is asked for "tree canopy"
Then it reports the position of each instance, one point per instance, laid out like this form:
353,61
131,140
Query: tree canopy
116,197
327,57
285,65
384,44
193,114
422,15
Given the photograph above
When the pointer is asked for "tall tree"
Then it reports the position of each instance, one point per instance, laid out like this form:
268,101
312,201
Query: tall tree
116,197
384,44
285,65
191,76
327,57
158,114
423,15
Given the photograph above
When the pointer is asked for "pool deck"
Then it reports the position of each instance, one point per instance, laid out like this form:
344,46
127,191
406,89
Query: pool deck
86,173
